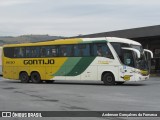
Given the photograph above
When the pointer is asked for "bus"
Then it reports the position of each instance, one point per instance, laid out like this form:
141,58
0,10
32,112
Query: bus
110,60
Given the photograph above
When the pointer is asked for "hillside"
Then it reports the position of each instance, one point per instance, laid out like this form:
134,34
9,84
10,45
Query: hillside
26,38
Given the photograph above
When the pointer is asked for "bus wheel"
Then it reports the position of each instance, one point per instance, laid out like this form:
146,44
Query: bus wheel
24,77
35,77
119,83
108,79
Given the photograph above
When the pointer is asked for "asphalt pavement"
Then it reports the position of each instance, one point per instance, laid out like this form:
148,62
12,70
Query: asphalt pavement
80,96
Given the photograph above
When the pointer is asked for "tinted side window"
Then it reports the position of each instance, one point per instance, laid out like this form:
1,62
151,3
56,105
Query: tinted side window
32,52
53,51
19,52
8,52
43,51
101,49
48,51
66,50
128,58
82,50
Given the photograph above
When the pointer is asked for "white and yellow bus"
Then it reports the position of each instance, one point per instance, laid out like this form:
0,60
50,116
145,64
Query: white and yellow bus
109,59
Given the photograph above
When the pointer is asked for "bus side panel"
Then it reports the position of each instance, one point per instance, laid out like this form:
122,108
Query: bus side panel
90,73
15,73
107,65
40,69
8,72
49,72
72,74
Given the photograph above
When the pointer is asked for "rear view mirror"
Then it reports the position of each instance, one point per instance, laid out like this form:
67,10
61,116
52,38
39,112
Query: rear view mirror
151,53
133,49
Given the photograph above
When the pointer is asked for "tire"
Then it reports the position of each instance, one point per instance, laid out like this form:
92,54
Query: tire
119,83
108,79
24,77
49,81
35,77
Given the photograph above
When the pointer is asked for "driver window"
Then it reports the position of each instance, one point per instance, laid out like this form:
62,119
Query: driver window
128,58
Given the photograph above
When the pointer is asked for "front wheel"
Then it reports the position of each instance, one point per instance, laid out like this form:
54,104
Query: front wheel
35,77
24,77
108,79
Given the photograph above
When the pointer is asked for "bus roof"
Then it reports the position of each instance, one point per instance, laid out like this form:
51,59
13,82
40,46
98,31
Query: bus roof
122,40
76,41
113,39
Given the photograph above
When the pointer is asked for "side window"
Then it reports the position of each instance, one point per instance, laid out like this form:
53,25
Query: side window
66,50
70,50
28,52
32,52
82,50
19,52
16,52
63,51
101,49
128,58
53,51
43,52
8,52
49,51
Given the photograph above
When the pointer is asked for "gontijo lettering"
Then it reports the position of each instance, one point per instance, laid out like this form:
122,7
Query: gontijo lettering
40,61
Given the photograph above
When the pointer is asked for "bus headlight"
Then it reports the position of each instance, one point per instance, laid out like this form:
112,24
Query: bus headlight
144,72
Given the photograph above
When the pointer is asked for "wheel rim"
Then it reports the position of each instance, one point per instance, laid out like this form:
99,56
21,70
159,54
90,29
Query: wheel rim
24,77
35,77
109,79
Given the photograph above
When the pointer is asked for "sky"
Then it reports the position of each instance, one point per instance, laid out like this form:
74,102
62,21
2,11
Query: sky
75,17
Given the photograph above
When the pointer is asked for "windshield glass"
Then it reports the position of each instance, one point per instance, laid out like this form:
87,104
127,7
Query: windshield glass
129,57
142,62
126,56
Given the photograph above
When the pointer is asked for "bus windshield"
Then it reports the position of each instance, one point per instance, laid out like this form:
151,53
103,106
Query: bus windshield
130,58
141,62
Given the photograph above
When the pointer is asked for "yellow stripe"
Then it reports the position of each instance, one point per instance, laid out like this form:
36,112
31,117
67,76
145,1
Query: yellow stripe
54,42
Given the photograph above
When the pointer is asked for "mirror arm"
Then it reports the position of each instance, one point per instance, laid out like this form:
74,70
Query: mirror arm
133,49
146,50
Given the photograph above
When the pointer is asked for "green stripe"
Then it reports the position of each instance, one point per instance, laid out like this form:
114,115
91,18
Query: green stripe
67,66
74,66
81,66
